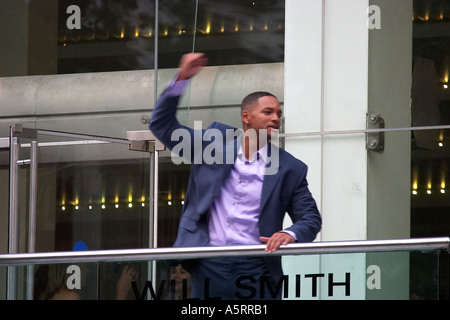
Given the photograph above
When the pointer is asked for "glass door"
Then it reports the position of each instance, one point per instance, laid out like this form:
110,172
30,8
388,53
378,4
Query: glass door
71,192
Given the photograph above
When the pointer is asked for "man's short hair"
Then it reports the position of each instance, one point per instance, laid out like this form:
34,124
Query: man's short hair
252,98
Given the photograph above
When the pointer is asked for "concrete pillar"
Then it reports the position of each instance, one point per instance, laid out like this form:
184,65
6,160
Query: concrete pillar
336,71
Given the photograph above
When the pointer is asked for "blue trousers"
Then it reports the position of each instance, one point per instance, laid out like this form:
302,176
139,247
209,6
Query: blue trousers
233,278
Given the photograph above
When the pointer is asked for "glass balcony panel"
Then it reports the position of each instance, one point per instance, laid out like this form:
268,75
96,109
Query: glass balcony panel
91,193
352,270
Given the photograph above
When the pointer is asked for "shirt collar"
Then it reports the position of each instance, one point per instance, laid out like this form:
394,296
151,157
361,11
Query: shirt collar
261,154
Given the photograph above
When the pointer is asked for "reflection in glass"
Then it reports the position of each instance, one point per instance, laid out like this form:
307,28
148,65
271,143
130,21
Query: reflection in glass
430,107
113,35
120,34
103,203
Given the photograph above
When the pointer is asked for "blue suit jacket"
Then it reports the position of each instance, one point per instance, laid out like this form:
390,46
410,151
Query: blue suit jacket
284,192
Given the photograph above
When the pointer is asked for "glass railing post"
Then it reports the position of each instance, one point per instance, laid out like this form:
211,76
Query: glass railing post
13,237
32,214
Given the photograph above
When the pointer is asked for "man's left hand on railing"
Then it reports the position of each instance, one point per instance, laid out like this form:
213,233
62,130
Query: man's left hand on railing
276,240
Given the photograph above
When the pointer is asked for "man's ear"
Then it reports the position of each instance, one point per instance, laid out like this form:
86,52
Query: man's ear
245,116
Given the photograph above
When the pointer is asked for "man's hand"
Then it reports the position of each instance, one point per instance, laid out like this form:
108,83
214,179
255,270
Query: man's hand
190,65
129,274
276,240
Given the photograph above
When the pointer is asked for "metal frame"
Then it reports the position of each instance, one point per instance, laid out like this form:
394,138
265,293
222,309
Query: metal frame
140,142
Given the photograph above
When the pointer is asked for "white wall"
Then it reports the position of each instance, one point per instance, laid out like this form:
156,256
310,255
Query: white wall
326,76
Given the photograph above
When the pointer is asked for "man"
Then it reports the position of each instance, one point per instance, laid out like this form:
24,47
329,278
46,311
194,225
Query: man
237,202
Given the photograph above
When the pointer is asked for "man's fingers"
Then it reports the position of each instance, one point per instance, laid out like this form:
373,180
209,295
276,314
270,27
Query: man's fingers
191,64
278,239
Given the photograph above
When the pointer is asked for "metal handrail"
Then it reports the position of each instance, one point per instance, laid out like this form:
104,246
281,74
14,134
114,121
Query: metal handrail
337,247
361,131
82,136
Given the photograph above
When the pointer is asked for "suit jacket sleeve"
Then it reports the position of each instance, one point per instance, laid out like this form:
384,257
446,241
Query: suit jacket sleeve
303,211
164,122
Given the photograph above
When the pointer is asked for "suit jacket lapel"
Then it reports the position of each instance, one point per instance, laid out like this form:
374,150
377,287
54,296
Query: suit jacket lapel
269,183
270,180
229,156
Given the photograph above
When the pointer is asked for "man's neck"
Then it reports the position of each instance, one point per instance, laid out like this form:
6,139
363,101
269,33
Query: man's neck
251,146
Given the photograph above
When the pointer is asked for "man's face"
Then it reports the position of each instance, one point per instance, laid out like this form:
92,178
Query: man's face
265,114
